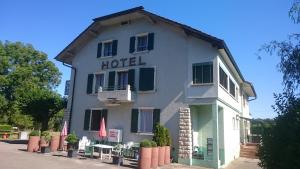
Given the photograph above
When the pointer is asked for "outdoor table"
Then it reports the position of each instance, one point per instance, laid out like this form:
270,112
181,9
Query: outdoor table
101,147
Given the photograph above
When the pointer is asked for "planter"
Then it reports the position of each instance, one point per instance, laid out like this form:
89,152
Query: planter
54,143
43,142
33,143
154,157
167,155
161,156
145,158
117,160
72,153
45,150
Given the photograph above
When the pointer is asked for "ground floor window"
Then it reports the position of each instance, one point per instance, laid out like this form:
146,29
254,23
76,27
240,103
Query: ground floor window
93,118
143,120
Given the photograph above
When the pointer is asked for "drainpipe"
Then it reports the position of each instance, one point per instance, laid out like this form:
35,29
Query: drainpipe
72,98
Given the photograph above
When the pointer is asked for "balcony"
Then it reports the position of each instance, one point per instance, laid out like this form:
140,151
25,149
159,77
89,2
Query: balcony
114,97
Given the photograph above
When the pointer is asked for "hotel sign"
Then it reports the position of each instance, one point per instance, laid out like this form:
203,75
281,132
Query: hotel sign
123,62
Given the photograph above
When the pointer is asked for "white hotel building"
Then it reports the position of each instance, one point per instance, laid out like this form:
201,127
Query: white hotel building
136,69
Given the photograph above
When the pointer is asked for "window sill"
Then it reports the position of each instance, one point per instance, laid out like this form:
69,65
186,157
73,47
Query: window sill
145,134
146,92
202,84
105,57
141,52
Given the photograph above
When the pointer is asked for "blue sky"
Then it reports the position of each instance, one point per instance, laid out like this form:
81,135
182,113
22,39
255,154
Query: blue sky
245,25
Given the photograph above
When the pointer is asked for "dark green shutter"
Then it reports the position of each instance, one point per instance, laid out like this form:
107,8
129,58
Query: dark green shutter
89,88
156,117
134,120
111,80
150,41
99,50
87,116
114,47
131,75
104,115
146,80
132,44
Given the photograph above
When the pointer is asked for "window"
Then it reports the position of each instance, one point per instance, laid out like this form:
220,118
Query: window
232,88
223,78
99,81
142,43
147,79
107,50
92,119
202,73
145,121
122,80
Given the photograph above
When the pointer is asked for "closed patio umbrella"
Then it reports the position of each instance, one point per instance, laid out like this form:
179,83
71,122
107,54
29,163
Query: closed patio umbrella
102,131
63,134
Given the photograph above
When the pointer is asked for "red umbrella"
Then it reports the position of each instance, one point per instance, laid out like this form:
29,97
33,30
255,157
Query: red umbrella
63,134
102,131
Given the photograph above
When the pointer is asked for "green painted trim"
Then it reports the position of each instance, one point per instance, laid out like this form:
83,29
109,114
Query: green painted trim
203,163
185,161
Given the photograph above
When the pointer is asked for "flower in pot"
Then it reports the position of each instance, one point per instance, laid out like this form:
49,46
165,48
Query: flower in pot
145,154
118,157
168,144
33,143
160,139
44,143
72,140
154,155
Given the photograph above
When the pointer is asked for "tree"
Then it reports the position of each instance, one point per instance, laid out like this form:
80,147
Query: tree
27,73
280,144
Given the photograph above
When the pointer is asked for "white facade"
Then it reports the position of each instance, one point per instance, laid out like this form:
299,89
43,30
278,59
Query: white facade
174,52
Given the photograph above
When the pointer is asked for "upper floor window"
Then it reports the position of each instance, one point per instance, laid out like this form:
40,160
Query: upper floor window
232,88
223,78
99,81
202,73
94,81
107,49
142,42
122,80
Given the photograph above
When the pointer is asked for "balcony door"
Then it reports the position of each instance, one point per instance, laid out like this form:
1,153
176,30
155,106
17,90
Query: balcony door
122,80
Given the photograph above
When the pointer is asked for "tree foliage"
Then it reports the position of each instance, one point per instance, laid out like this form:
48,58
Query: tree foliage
280,147
27,80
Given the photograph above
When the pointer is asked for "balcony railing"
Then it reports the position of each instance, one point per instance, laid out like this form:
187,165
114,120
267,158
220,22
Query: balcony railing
115,95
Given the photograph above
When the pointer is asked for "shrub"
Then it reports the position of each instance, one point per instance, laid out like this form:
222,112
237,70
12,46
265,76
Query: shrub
159,135
146,143
72,138
153,144
46,135
5,127
34,133
168,137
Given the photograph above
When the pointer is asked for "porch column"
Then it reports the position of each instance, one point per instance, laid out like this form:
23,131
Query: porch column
185,137
216,163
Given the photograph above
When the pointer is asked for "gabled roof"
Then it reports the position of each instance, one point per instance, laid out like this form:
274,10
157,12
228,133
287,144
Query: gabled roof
92,30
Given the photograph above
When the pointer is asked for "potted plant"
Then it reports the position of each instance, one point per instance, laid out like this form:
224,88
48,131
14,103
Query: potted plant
160,139
44,143
54,144
154,155
168,145
72,139
33,143
118,157
145,154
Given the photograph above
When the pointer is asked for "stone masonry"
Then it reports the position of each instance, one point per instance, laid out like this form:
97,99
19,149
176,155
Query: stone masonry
185,134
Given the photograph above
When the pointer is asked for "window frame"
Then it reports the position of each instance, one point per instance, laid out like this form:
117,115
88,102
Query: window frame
117,87
90,120
146,34
138,126
234,85
227,81
94,81
103,48
211,73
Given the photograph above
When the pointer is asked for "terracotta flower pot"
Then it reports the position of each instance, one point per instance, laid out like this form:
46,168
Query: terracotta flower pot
145,158
43,142
167,155
33,143
54,143
161,156
154,157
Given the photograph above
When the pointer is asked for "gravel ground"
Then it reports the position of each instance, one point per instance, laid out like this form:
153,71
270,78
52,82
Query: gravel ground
14,156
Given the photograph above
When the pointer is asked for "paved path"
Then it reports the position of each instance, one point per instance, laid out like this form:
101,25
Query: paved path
14,156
